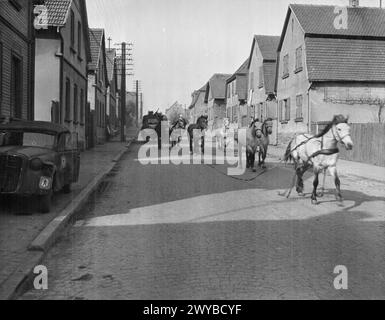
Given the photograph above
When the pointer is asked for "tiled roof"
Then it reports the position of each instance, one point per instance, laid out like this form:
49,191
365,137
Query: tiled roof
269,73
319,19
268,46
218,85
57,11
96,36
110,57
345,59
243,70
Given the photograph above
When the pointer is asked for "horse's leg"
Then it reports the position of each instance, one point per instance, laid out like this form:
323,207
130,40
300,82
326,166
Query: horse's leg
299,185
337,181
264,154
248,159
322,193
315,186
253,162
191,144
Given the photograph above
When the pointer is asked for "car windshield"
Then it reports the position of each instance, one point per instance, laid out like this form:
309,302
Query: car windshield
27,139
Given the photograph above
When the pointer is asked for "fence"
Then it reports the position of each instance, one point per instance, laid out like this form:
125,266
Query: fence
369,143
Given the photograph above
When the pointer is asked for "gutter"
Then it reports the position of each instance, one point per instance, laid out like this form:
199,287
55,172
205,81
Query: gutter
309,109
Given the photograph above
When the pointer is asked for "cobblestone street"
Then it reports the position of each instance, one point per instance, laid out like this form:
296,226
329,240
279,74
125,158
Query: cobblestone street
191,232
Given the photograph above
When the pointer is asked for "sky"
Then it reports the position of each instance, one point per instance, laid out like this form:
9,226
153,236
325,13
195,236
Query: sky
179,44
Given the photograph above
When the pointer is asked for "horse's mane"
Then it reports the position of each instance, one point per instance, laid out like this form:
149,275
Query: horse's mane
264,127
252,123
336,120
200,118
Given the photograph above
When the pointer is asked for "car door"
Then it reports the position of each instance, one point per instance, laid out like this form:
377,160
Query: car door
72,156
68,167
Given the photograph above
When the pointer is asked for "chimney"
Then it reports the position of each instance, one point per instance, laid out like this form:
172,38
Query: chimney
354,3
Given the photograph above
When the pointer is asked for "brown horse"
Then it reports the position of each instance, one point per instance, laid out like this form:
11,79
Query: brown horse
253,135
264,141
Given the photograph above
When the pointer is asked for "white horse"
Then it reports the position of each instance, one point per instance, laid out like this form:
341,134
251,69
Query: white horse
320,152
223,135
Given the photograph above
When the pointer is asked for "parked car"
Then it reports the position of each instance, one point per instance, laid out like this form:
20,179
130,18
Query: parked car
37,159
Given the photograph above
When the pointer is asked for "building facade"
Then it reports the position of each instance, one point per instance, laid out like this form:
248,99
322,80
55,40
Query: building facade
97,86
62,53
262,72
216,100
112,92
324,70
16,59
198,105
236,96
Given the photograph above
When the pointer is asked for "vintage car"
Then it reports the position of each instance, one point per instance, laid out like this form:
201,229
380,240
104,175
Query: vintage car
37,159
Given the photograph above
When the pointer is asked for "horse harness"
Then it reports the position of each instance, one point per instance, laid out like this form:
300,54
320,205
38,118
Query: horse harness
322,151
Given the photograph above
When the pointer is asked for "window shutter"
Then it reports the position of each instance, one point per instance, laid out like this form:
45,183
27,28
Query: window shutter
280,110
287,110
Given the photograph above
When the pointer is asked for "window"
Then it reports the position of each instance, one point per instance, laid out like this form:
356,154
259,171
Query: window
228,91
82,106
299,102
261,82
298,59
68,100
75,104
79,39
72,28
280,115
285,66
287,109
16,86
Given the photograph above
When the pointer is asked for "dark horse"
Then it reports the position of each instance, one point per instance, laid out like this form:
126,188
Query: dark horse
176,131
200,126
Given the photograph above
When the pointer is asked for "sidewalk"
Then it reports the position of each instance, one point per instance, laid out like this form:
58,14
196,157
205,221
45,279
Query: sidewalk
20,224
358,169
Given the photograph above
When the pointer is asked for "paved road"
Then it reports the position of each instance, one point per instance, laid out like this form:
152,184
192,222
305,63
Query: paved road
192,232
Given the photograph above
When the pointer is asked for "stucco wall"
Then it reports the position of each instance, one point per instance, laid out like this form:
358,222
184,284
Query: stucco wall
47,77
359,101
296,83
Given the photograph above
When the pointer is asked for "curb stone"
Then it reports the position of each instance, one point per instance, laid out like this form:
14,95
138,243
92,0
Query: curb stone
18,281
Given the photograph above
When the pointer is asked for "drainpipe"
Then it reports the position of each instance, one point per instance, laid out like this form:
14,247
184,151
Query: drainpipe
309,109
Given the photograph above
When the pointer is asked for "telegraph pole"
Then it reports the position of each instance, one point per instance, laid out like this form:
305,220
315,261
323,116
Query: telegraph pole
123,96
125,60
137,90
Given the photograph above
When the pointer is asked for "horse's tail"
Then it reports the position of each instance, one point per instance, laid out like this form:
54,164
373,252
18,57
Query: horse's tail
288,156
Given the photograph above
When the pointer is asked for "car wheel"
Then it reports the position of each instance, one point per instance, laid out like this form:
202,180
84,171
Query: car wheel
45,203
67,188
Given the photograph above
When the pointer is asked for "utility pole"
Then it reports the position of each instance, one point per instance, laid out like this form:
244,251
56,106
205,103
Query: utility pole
109,43
141,106
122,70
137,90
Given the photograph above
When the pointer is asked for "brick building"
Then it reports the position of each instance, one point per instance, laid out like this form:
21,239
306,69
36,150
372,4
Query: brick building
16,59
